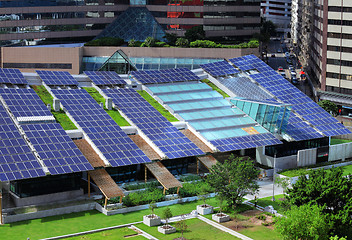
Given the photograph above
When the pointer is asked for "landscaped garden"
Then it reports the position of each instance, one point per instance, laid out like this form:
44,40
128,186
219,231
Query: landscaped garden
215,88
115,234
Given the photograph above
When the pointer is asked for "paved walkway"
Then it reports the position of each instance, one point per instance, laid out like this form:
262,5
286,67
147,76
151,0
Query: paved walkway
223,228
144,234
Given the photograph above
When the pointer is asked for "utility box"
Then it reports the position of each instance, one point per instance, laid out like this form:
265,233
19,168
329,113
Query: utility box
108,103
56,105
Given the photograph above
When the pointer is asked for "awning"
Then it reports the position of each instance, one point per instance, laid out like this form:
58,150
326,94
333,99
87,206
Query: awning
199,143
145,147
87,150
208,161
105,183
160,172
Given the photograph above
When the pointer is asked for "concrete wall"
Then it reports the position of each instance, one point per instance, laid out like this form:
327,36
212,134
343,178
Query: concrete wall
306,157
281,163
340,151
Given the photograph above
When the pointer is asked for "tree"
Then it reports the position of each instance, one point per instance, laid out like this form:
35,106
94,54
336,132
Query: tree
330,190
337,238
195,33
234,179
307,222
182,42
267,30
182,225
203,194
132,43
152,207
328,106
150,42
171,38
283,182
166,214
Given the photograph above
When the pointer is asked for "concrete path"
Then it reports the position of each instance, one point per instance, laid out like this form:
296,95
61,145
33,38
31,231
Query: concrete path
223,228
265,190
144,234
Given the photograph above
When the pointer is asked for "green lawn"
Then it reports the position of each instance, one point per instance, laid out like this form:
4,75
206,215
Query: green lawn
157,106
214,87
197,230
260,233
115,234
83,221
335,141
263,202
60,116
114,114
347,170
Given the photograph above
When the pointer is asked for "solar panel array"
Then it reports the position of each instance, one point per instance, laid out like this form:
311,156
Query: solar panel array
24,102
56,149
57,78
107,136
167,137
289,94
105,78
164,76
16,159
244,142
14,76
243,87
221,68
299,129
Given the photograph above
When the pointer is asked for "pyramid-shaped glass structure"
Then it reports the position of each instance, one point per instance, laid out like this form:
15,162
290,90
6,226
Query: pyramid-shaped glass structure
135,23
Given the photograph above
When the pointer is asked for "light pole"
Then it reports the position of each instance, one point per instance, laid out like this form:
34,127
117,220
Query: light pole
274,173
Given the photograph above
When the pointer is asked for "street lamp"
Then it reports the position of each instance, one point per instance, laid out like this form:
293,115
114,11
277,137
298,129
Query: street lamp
274,173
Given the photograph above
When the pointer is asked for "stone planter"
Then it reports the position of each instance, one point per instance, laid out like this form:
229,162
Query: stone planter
151,221
204,209
166,229
220,217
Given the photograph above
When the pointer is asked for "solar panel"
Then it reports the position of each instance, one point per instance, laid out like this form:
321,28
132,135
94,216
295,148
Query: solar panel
221,68
24,102
14,76
245,142
164,76
16,159
107,136
167,137
58,152
105,78
57,78
289,94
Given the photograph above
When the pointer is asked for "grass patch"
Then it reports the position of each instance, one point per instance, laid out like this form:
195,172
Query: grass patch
197,229
335,141
263,202
347,170
215,88
118,233
260,233
158,106
114,114
83,221
60,116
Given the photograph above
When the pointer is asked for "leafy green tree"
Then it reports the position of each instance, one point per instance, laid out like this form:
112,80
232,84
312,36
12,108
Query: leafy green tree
328,106
330,190
307,222
132,43
150,42
182,225
283,182
166,214
337,238
267,30
234,179
171,38
195,33
182,42
152,207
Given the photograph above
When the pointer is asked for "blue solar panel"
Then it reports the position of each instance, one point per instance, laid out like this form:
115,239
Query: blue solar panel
16,159
245,142
289,94
58,152
164,76
107,136
57,78
221,68
14,76
105,78
168,138
24,102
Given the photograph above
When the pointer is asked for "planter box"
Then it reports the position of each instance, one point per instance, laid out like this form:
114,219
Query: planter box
168,230
220,218
151,221
204,210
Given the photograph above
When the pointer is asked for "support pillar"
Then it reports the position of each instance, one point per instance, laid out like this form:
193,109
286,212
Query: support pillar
197,166
1,208
145,174
121,199
106,202
88,185
164,191
178,189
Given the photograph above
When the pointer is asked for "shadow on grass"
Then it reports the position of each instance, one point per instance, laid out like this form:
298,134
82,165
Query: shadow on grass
66,216
15,224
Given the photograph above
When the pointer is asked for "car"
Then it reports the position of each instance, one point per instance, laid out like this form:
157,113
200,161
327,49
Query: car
273,55
294,80
283,74
280,68
287,54
288,61
290,67
279,51
293,73
350,114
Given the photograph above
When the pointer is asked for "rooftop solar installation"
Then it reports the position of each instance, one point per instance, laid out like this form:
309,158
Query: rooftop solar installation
14,76
57,78
58,152
105,78
287,93
16,159
107,136
24,102
164,76
300,130
167,137
221,68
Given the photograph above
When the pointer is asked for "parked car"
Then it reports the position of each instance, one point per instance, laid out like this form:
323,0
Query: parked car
294,80
287,54
273,55
279,50
283,74
280,68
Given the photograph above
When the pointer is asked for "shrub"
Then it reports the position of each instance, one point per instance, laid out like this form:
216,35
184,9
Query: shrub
192,189
106,41
261,217
144,197
132,43
204,44
161,44
152,184
182,42
150,42
190,178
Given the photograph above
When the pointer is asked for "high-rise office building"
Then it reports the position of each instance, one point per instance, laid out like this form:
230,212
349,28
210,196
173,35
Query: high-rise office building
60,19
279,12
